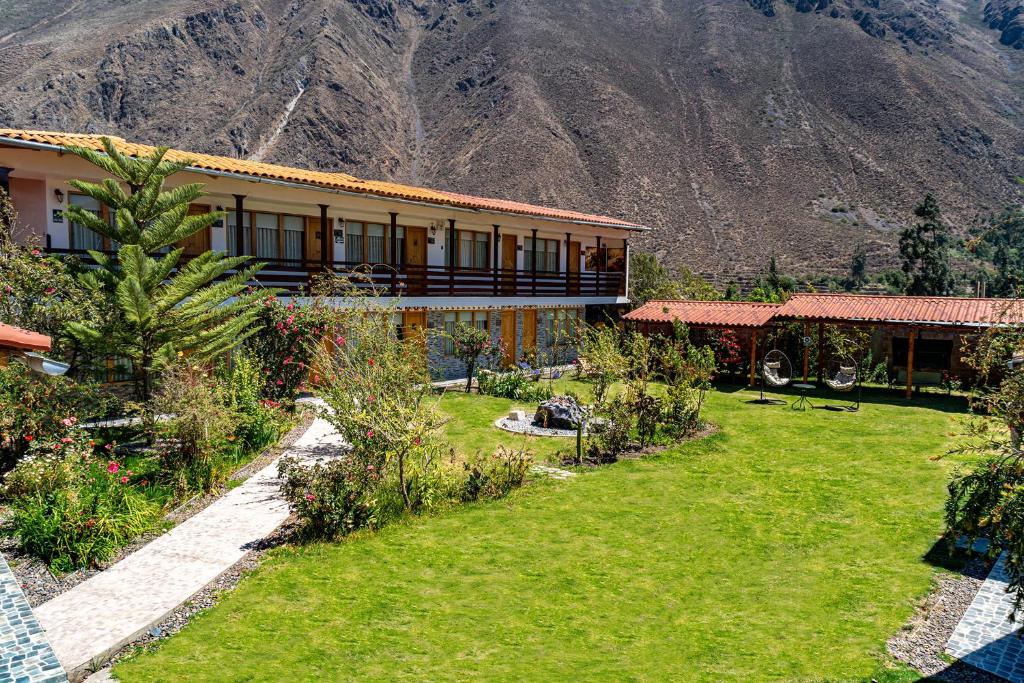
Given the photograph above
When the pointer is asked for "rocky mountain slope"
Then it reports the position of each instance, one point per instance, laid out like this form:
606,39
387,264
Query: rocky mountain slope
738,128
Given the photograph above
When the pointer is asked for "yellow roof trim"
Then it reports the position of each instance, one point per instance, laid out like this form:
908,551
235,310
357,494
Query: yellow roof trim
329,180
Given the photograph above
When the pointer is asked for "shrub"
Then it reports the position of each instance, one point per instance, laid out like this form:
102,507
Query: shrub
601,353
201,432
261,421
287,340
496,476
33,405
610,433
329,498
468,344
71,508
514,384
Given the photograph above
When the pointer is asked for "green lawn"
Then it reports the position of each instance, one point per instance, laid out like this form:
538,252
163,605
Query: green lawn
788,546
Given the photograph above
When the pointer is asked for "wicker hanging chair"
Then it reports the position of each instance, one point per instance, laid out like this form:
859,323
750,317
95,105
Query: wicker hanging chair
776,369
845,377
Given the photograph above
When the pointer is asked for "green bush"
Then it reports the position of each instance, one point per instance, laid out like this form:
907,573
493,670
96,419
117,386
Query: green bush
514,384
328,498
72,509
496,476
261,420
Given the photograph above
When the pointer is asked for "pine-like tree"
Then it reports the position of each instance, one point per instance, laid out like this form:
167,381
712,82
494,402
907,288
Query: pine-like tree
925,250
163,307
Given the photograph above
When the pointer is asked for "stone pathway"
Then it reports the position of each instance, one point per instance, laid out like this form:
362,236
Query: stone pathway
552,472
25,654
985,637
93,620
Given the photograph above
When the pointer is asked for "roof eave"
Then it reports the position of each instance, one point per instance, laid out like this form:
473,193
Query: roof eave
30,144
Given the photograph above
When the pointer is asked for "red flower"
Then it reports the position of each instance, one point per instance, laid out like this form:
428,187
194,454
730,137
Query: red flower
417,441
113,467
124,480
29,437
49,290
339,340
369,434
90,523
371,362
310,497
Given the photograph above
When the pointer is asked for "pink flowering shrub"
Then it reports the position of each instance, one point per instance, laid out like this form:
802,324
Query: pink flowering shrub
71,504
289,337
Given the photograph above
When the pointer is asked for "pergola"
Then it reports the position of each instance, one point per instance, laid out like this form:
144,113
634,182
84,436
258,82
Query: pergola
909,314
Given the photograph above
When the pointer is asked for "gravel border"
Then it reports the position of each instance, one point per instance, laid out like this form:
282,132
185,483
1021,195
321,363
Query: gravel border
40,585
921,643
529,428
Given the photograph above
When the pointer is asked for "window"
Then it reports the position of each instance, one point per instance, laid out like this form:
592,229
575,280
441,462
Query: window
474,248
232,222
266,235
370,243
112,369
479,319
608,260
559,324
546,254
294,229
81,236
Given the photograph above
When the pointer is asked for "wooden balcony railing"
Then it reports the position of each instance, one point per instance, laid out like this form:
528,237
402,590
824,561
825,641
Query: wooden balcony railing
408,280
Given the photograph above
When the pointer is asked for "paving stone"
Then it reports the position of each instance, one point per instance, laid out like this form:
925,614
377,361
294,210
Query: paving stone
97,617
25,652
985,637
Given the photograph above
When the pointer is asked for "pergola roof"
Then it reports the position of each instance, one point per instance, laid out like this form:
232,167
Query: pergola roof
16,338
314,179
907,310
706,313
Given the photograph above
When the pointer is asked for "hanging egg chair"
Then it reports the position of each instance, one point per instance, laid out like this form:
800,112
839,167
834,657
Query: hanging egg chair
843,377
776,369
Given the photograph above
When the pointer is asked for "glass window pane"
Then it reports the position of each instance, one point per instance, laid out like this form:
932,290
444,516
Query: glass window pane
465,250
231,223
81,236
266,235
294,229
375,243
354,242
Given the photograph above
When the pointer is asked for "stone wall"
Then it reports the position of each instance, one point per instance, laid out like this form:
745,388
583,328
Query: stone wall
444,367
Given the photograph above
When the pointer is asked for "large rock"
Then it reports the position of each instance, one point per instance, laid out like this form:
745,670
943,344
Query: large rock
559,412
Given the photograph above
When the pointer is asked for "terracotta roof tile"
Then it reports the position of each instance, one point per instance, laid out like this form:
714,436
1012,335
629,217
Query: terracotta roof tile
16,338
337,181
710,313
924,310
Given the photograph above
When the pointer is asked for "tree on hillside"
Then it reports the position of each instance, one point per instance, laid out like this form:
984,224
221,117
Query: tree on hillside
161,307
649,280
773,286
925,249
1001,244
858,276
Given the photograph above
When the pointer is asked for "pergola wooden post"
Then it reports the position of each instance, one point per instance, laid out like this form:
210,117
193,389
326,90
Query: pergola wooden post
821,352
910,361
807,351
753,356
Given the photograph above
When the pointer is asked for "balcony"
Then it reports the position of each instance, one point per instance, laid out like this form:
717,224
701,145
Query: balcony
408,280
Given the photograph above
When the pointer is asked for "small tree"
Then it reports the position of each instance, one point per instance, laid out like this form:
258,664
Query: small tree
649,280
469,343
858,276
924,248
161,306
601,353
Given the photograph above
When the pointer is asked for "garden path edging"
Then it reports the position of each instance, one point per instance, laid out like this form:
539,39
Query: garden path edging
93,620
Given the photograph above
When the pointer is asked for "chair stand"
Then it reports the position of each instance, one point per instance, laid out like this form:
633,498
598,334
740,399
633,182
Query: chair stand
763,400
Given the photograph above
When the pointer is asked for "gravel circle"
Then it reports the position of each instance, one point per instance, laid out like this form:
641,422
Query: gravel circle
921,643
40,585
527,427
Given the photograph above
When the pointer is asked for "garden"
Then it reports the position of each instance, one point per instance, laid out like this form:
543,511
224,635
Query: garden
643,523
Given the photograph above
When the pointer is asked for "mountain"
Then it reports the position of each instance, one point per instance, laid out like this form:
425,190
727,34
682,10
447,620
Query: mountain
738,128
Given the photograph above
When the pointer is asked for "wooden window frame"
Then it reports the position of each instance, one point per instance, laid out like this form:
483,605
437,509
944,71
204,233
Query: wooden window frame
528,258
458,251
447,345
251,216
387,240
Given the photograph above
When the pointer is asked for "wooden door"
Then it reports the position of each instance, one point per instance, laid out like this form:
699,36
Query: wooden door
196,244
529,331
508,264
572,267
312,244
416,261
414,324
508,335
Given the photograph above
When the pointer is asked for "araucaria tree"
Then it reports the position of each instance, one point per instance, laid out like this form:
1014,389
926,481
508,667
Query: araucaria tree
162,306
988,499
924,248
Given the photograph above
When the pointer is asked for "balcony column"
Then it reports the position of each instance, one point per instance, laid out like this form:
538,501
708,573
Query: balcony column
533,263
394,253
453,249
600,265
494,257
239,224
326,240
568,271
